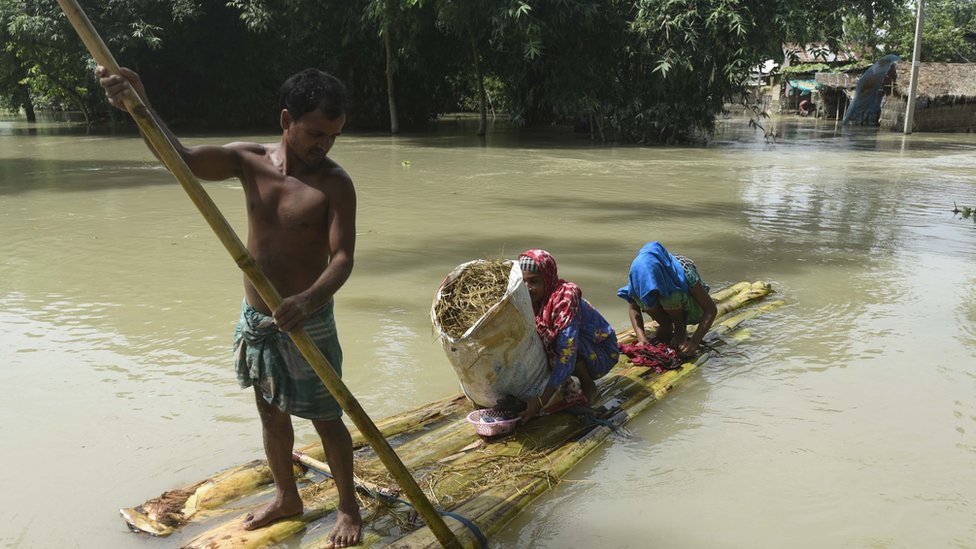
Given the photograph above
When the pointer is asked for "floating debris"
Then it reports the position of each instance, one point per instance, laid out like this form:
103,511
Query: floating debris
965,212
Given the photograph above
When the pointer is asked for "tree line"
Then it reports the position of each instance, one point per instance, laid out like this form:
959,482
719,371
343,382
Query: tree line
642,71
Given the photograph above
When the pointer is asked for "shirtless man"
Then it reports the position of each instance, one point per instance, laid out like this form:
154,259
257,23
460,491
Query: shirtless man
301,211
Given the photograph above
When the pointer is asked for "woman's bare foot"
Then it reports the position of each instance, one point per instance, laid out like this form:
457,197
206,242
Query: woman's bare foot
274,511
347,530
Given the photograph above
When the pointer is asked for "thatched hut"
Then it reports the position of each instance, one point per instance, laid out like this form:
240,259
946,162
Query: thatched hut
798,84
836,90
945,98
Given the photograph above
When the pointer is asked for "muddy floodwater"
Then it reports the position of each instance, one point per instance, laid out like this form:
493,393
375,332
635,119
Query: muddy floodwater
847,419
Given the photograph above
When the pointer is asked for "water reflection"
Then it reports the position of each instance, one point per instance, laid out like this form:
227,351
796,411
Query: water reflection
48,123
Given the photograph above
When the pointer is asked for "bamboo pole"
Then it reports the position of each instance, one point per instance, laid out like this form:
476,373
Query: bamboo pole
729,291
174,162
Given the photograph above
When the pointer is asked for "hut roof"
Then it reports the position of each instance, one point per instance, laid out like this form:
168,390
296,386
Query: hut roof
837,79
938,79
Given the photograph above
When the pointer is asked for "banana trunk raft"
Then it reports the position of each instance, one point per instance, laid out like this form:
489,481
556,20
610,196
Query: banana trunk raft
481,484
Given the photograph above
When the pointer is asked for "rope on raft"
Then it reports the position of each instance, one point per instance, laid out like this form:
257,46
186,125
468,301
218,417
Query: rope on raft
588,415
382,495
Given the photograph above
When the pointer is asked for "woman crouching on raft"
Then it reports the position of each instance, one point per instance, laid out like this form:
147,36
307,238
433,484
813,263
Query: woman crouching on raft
670,289
578,340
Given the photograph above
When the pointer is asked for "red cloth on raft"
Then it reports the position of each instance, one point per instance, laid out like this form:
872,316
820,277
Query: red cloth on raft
653,355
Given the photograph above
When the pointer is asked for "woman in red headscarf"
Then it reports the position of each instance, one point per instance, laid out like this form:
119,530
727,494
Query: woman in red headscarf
578,340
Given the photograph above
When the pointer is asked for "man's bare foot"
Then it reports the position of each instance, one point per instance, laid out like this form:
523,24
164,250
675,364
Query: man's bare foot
347,530
274,511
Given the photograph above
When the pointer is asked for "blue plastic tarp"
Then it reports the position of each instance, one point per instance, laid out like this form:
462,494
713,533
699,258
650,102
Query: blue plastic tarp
801,87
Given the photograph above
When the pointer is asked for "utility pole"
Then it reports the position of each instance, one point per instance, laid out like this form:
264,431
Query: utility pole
916,53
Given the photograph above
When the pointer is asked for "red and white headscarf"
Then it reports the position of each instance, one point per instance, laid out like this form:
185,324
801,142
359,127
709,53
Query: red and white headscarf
561,303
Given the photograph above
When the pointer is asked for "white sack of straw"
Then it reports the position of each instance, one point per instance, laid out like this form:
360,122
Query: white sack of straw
500,354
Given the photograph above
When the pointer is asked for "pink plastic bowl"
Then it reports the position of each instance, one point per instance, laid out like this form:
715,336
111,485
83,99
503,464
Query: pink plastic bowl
491,428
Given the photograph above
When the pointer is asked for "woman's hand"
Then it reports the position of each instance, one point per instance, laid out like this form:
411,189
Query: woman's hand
637,322
709,312
687,349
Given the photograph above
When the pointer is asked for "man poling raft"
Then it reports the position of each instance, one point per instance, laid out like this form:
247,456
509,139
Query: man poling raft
308,266
322,198
486,482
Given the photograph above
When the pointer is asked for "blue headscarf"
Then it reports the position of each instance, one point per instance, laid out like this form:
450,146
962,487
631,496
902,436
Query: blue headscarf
653,270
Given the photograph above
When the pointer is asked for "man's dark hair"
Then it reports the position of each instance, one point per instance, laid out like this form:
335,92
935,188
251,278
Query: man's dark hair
313,89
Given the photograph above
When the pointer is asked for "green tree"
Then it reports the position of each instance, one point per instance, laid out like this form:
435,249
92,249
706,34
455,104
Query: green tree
472,22
341,37
637,70
948,31
14,92
387,15
43,56
647,70
865,22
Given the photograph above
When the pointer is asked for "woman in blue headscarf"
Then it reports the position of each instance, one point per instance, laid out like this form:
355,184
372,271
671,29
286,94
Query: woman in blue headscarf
671,291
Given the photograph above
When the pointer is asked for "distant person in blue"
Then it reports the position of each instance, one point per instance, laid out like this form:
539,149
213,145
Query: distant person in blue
577,339
669,289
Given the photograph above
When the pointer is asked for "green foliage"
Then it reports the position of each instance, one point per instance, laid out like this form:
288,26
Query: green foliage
805,67
965,212
38,58
636,70
864,22
466,93
801,68
345,38
947,32
42,54
646,70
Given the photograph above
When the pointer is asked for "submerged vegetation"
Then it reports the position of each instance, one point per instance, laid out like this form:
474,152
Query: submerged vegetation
643,71
965,212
